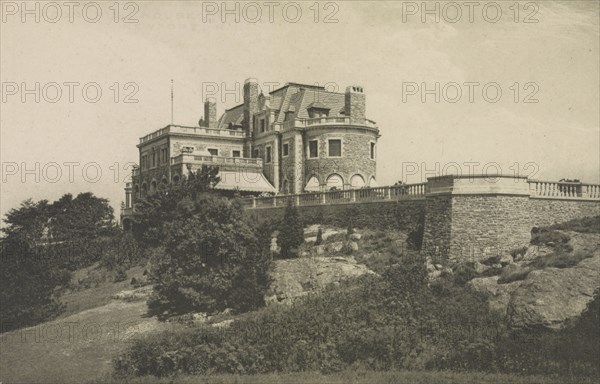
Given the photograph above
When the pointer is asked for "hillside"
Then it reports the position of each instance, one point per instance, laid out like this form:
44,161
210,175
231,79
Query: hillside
105,319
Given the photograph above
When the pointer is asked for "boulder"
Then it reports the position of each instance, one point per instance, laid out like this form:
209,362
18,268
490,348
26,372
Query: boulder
506,259
355,236
299,277
498,294
335,247
353,245
398,247
479,267
550,296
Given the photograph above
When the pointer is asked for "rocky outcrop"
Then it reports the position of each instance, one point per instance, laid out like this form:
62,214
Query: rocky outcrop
299,277
551,296
548,296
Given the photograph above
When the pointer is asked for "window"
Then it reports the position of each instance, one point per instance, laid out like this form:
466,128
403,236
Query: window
372,151
236,154
268,154
289,115
213,152
164,155
256,153
286,149
144,162
262,125
313,149
153,159
335,148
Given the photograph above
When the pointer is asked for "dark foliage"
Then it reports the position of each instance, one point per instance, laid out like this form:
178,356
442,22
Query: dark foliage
206,255
291,232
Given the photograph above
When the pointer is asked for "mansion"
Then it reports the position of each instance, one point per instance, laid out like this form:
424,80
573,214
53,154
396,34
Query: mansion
297,138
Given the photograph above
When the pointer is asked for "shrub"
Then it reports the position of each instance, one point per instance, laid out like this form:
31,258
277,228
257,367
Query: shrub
291,232
319,240
510,274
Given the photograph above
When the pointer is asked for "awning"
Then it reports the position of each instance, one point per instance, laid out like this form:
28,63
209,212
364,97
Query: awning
244,180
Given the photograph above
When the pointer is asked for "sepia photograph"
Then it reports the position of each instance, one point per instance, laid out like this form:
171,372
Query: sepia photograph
290,192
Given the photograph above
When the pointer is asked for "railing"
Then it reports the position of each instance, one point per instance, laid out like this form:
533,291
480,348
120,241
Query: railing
191,130
187,158
333,120
343,196
563,190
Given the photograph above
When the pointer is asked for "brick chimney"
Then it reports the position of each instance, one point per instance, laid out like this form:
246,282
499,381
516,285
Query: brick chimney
250,104
210,112
354,106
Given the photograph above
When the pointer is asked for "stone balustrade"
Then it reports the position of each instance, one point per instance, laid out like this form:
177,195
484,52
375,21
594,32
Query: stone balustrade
563,190
191,131
343,196
476,185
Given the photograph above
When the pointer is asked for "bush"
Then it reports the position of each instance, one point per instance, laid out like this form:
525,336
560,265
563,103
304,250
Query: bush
378,322
510,274
291,232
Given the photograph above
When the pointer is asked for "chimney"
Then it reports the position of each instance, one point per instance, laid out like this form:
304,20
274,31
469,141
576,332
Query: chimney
210,113
250,104
354,106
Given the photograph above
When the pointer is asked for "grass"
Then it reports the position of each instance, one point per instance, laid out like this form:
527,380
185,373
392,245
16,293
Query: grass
80,344
83,299
360,377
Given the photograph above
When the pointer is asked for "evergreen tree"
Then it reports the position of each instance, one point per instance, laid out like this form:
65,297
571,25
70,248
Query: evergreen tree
291,232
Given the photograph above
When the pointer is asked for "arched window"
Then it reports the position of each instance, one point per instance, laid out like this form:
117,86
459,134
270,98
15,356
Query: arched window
144,189
312,185
176,179
335,181
153,186
357,181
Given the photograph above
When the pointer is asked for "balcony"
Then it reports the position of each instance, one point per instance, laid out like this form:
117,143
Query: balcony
326,121
199,131
221,161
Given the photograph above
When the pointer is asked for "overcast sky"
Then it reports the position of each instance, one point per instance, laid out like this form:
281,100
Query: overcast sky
383,46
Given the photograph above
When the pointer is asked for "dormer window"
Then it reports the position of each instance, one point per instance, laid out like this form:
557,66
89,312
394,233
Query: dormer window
289,115
317,109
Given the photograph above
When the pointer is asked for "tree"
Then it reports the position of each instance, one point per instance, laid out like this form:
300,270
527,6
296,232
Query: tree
163,206
291,233
208,255
82,218
28,273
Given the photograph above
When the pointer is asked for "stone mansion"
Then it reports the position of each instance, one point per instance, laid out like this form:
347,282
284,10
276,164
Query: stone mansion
297,138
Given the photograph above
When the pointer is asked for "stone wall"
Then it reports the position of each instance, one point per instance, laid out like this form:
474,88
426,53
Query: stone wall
355,155
403,215
475,227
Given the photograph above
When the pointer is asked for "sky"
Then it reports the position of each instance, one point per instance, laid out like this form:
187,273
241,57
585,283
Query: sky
518,86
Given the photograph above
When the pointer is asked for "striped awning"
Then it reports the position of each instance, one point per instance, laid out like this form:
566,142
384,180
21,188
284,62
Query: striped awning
245,181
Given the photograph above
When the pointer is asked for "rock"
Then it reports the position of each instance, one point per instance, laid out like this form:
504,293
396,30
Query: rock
429,265
312,239
434,275
353,246
398,247
199,316
506,259
480,268
551,296
335,247
498,294
355,236
223,324
299,277
533,252
320,250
